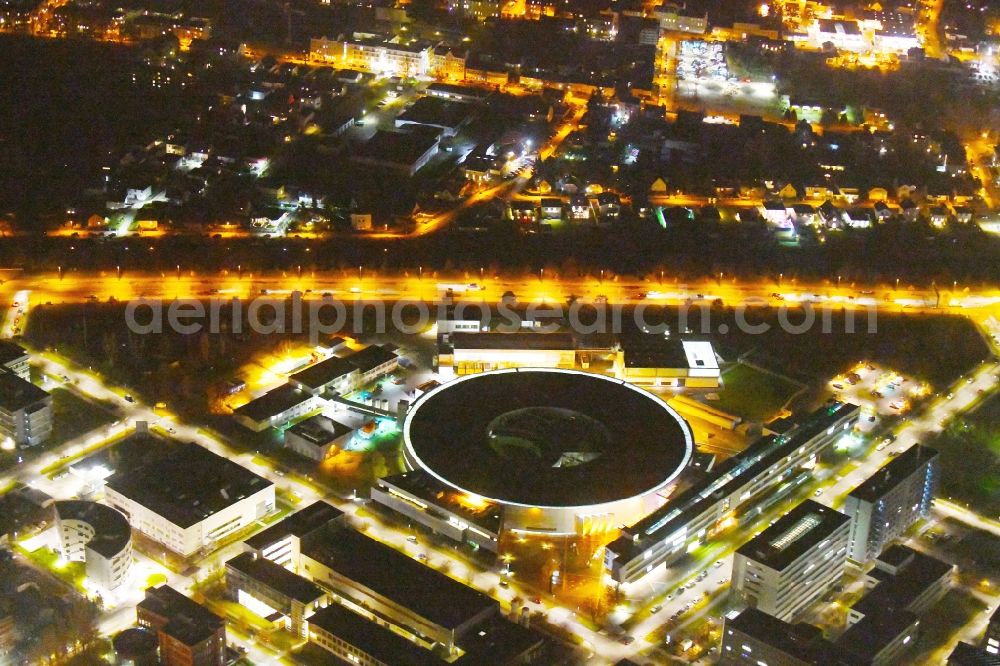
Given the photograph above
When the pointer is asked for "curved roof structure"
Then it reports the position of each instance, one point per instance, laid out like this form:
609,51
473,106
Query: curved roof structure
112,533
547,438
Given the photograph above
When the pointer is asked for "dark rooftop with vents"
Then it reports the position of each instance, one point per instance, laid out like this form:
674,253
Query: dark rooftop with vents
187,483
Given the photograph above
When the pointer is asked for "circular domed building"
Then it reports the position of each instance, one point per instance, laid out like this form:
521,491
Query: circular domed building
561,451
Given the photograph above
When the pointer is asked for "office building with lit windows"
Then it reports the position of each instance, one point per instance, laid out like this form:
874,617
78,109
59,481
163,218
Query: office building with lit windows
25,411
891,500
189,498
759,477
101,538
188,633
794,562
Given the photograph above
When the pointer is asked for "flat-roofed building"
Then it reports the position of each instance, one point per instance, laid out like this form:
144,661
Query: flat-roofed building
881,640
369,576
393,57
189,498
318,437
372,362
402,152
282,542
267,589
765,472
657,361
101,538
357,639
276,407
891,500
420,497
334,374
794,562
904,580
25,411
457,92
753,637
437,112
14,358
189,634
472,353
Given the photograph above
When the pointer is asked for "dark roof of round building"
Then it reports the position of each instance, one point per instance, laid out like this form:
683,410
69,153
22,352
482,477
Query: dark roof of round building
111,529
547,438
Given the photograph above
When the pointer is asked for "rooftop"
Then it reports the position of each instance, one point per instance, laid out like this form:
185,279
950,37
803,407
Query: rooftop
553,438
112,532
187,620
516,341
497,641
381,643
802,528
915,572
324,372
452,89
320,430
272,403
187,483
11,351
403,148
642,350
895,472
435,111
393,575
17,393
371,357
727,478
276,577
299,524
874,633
422,485
802,641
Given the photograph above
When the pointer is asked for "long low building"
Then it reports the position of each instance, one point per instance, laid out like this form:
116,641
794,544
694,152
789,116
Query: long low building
715,504
189,498
373,579
387,585
267,589
308,389
650,361
423,499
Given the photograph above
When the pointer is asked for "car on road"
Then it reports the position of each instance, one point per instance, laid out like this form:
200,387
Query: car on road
412,538
819,491
719,563
627,640
502,583
129,398
422,557
655,609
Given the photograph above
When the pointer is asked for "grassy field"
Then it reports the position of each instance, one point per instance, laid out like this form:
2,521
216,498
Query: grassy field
753,394
73,416
970,458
